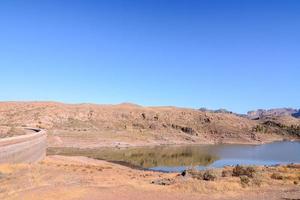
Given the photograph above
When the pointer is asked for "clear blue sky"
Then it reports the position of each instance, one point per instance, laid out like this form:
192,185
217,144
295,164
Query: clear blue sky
238,55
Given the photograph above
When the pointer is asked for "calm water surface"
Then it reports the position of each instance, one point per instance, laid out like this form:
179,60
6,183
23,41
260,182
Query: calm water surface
179,158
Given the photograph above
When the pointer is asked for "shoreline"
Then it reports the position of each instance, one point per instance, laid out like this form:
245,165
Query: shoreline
130,145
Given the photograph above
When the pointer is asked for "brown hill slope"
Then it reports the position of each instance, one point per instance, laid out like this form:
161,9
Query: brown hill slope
89,125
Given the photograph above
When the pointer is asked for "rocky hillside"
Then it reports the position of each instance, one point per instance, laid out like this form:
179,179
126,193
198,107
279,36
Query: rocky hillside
280,120
89,125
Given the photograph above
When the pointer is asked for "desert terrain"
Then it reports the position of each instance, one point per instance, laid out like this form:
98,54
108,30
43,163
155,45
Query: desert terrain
91,126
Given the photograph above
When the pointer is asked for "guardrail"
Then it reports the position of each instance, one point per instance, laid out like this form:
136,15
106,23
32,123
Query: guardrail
25,148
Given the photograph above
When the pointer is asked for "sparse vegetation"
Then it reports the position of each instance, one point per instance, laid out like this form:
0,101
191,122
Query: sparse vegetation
243,171
209,175
257,181
164,181
260,128
244,180
226,173
277,176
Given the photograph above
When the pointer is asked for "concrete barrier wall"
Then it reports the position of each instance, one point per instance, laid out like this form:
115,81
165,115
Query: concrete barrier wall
25,148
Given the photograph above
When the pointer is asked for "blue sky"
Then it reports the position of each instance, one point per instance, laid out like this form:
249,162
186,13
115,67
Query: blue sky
239,55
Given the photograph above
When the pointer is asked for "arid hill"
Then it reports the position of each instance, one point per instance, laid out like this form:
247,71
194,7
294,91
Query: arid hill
90,125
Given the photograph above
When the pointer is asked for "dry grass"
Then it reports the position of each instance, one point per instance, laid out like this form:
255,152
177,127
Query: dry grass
198,186
80,172
232,179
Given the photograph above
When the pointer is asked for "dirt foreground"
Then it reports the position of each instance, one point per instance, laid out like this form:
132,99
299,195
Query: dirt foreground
64,178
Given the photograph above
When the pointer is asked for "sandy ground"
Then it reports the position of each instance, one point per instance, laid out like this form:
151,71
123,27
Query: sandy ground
59,177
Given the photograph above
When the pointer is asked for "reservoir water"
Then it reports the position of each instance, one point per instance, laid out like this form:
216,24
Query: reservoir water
179,158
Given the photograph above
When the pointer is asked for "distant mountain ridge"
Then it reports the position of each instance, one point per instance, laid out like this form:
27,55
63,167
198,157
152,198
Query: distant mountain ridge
221,110
260,113
277,112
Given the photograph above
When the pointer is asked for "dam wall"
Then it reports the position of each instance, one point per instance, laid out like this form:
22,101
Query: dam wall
27,148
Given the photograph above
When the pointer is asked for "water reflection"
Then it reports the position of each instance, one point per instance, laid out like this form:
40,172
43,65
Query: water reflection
147,157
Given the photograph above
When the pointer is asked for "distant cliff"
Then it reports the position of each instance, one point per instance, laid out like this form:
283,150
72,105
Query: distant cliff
279,112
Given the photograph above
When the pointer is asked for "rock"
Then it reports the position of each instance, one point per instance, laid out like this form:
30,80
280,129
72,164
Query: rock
207,120
295,182
187,130
153,126
144,115
184,173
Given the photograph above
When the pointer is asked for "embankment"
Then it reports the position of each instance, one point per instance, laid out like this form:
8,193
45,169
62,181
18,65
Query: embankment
25,148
